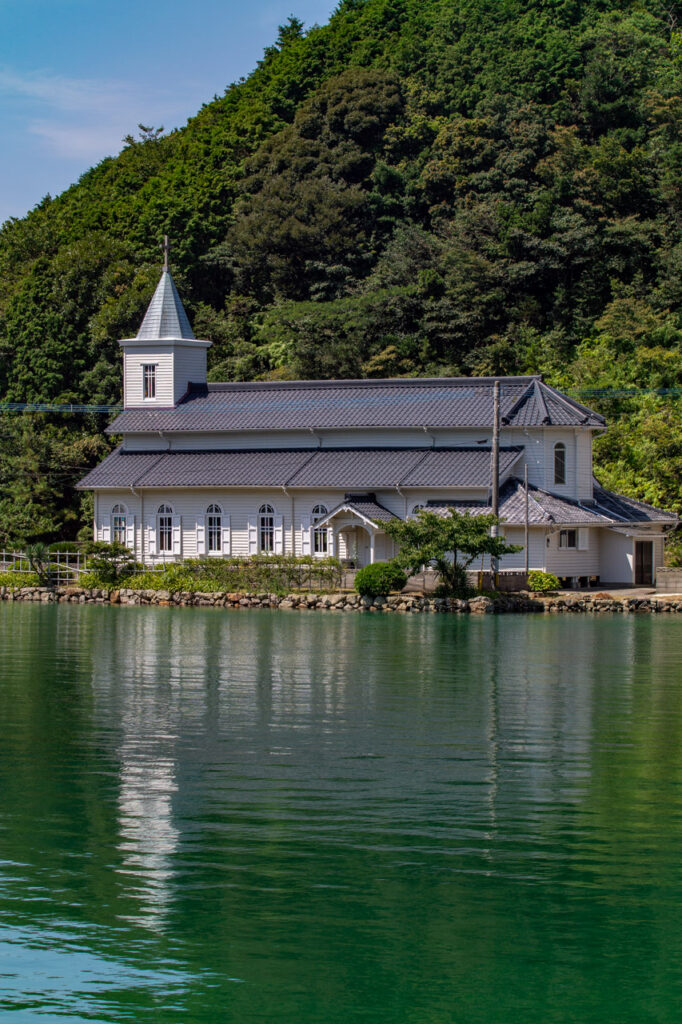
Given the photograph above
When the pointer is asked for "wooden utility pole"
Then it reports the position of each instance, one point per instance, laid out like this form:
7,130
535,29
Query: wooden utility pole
525,514
496,470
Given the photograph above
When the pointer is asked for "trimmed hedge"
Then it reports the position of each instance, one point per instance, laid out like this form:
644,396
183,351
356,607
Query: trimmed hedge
379,579
540,582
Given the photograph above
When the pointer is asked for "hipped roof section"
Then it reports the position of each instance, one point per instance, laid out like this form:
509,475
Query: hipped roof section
440,402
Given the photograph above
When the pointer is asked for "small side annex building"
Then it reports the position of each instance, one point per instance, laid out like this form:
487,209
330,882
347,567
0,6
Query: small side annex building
317,467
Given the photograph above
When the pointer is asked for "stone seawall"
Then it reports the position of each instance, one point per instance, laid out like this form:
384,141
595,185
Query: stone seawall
342,602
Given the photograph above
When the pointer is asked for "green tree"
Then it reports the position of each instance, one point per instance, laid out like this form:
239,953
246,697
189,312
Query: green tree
449,542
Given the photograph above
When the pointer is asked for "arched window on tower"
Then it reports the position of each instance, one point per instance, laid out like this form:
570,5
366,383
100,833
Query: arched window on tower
560,463
319,534
266,529
214,524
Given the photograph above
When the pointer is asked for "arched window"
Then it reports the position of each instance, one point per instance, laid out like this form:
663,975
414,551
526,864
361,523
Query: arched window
319,535
165,520
266,529
118,523
560,463
415,509
214,524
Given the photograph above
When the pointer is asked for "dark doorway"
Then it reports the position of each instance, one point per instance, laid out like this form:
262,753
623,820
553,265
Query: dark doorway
644,563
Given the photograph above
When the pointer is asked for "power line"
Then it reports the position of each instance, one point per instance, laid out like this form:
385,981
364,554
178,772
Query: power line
77,407
56,407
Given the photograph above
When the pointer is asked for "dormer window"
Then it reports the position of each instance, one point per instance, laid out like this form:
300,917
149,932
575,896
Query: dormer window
560,463
149,381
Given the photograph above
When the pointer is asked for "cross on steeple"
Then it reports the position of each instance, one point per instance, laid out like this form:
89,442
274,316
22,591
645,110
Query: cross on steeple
166,251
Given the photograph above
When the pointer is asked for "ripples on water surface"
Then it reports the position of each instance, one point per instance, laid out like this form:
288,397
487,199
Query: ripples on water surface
317,819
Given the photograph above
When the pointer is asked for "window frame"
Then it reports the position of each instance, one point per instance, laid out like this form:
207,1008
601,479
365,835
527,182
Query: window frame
566,535
560,464
119,523
320,544
164,529
149,382
266,529
214,529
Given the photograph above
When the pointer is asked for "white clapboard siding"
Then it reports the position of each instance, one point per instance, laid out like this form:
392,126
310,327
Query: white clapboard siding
106,530
306,547
133,361
201,535
189,367
226,535
279,535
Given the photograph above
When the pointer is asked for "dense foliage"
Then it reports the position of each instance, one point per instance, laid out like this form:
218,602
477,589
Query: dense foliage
419,187
448,543
379,579
541,582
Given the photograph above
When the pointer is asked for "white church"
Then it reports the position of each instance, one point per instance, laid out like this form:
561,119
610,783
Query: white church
318,467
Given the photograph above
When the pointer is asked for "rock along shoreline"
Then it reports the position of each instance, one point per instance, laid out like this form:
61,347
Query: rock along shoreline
343,602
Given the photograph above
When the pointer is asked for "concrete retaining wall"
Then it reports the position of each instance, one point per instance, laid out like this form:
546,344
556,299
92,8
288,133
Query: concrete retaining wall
669,580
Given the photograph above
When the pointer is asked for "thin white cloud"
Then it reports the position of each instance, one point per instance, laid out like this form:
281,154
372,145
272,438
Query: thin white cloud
86,119
64,94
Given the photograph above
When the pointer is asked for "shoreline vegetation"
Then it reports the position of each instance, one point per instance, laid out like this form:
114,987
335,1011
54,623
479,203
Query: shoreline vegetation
520,603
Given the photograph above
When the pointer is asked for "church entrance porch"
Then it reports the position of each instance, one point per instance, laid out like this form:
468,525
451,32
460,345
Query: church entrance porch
355,531
355,546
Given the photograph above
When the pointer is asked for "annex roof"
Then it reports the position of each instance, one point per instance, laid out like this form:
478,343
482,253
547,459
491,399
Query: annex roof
348,404
545,509
367,510
357,468
165,318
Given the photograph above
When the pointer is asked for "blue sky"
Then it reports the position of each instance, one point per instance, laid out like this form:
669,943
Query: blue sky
78,75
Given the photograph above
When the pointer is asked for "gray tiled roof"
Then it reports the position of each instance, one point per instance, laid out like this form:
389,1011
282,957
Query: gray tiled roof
619,507
308,467
165,317
369,509
339,404
198,469
546,509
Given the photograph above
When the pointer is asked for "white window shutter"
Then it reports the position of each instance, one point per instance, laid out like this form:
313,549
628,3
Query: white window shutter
305,536
201,535
130,532
330,542
253,538
279,535
151,536
177,535
583,540
107,530
227,535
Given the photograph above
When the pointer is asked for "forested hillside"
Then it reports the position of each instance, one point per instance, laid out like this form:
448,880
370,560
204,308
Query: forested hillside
420,187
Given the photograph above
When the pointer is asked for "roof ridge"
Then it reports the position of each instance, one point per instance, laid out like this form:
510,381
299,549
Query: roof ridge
570,402
365,382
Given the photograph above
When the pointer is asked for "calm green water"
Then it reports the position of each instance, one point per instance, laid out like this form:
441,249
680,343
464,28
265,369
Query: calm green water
317,819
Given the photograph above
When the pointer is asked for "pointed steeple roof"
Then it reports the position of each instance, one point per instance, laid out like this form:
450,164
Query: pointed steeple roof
165,318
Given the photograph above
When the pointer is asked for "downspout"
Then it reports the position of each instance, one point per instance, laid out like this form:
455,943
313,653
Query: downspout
293,528
432,436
